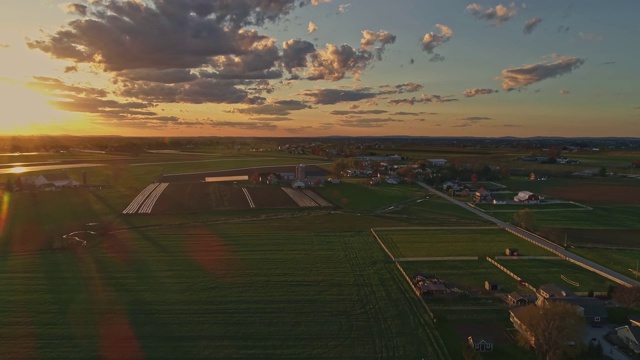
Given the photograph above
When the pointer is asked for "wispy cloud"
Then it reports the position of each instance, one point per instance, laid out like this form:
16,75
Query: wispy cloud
476,91
530,74
531,25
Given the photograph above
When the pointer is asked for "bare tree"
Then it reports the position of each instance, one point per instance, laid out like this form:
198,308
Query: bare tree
526,219
557,329
627,296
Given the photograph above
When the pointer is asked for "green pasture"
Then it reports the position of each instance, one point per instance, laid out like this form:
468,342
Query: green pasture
468,275
357,196
601,217
455,242
223,291
436,211
538,272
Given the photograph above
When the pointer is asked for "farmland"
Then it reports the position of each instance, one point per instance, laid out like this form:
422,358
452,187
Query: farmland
456,242
229,283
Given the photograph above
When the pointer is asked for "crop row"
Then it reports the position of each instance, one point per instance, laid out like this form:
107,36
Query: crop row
300,197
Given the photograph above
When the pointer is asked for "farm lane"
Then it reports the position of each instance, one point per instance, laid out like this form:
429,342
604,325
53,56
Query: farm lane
540,241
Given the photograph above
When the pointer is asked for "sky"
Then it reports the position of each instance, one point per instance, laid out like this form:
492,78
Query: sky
320,68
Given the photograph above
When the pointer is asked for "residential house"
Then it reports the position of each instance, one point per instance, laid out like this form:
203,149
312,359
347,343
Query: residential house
515,315
630,335
481,343
593,310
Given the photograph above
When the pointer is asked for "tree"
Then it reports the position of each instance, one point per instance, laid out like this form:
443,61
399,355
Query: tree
525,219
602,172
557,328
339,166
626,296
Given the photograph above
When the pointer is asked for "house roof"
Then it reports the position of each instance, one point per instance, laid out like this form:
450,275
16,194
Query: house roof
592,307
554,290
515,296
475,339
631,332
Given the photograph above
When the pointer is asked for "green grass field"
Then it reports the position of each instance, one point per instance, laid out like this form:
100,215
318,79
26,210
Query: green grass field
436,211
468,275
533,207
538,272
213,292
356,196
617,260
455,242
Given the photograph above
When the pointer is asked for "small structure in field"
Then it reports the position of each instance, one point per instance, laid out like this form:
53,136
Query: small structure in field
481,343
511,252
298,184
527,197
491,285
516,299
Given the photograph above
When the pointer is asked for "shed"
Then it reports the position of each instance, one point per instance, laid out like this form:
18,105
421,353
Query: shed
481,343
512,252
491,285
516,299
298,184
526,197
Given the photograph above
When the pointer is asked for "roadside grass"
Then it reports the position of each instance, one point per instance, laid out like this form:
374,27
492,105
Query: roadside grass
203,292
538,272
468,275
356,196
617,260
456,242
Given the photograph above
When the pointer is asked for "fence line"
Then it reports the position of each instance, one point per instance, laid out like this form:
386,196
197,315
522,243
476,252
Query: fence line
415,291
438,258
508,272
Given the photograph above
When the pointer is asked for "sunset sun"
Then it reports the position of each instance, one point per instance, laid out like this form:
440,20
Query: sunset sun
25,110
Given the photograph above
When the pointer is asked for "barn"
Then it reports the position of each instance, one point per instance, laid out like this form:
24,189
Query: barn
527,197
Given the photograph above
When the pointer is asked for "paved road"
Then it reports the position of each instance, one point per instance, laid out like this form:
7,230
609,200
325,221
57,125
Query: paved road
542,242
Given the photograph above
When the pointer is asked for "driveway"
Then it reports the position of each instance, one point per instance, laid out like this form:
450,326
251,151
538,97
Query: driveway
607,348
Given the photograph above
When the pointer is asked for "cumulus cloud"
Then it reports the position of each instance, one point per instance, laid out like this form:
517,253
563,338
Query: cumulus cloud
476,91
530,74
432,40
498,15
370,38
334,96
312,27
294,53
335,62
161,34
166,76
74,8
531,24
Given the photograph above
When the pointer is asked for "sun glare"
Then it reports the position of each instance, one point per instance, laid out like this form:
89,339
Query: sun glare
24,110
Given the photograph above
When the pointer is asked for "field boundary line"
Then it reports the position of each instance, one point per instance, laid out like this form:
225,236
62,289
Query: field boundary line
438,258
505,257
443,349
139,199
437,228
508,272
246,193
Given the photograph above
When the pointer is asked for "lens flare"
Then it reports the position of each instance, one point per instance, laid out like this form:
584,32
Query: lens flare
4,210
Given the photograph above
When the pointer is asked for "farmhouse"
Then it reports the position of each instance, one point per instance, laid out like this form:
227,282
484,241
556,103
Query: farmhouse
481,343
527,197
593,310
482,196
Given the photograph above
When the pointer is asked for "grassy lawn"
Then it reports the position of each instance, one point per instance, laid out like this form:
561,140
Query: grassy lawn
201,292
455,242
356,196
538,272
468,275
